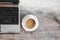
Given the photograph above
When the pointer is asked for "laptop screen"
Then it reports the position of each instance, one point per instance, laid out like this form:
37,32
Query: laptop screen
13,1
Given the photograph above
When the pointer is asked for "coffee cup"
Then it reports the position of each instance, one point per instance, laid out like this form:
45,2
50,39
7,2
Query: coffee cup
30,23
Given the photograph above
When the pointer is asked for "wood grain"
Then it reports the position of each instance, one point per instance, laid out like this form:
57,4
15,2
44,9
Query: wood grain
48,30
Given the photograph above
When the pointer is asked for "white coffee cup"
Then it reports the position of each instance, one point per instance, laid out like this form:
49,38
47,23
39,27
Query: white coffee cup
33,19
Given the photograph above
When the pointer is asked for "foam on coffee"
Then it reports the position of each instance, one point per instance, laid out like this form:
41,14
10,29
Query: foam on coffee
30,23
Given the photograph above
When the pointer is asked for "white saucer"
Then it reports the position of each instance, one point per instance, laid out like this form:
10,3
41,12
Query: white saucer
28,17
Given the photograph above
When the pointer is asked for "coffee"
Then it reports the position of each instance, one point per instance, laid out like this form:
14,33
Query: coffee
30,23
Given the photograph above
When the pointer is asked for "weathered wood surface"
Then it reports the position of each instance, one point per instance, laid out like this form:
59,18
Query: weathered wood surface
48,30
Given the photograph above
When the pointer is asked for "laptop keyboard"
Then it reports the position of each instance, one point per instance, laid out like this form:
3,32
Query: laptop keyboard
9,15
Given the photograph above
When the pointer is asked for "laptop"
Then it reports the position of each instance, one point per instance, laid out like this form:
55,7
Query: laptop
9,16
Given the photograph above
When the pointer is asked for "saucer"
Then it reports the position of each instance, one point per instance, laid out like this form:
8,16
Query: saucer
30,17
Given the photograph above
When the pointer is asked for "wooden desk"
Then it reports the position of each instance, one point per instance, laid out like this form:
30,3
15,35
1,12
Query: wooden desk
48,30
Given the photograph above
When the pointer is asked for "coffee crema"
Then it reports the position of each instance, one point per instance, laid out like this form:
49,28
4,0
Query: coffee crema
30,23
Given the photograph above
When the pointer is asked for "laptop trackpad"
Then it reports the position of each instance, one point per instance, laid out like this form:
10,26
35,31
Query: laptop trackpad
10,28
